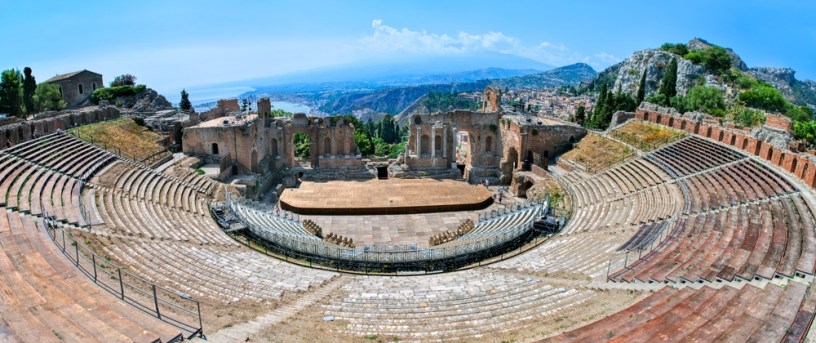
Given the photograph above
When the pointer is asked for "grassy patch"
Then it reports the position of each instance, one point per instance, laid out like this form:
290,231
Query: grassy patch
647,136
123,135
598,153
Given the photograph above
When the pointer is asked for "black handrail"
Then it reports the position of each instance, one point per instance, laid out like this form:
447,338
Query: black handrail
91,264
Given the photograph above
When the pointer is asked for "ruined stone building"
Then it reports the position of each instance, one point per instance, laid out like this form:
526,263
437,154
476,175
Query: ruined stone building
257,143
76,87
481,145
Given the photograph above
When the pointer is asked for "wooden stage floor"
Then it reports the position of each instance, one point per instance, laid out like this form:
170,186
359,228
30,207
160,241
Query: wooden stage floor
392,196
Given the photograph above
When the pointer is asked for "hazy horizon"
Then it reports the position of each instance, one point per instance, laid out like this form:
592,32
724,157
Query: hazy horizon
186,44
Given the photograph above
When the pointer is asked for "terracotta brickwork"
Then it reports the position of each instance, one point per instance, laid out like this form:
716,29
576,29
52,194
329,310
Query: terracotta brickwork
803,168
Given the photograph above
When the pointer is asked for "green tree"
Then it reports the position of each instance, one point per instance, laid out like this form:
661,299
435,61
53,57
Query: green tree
641,88
29,88
580,115
668,85
806,131
302,145
706,99
765,97
11,93
388,130
600,107
185,103
47,98
363,142
679,48
124,80
713,58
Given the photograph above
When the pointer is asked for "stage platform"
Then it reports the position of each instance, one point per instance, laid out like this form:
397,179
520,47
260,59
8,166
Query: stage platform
392,196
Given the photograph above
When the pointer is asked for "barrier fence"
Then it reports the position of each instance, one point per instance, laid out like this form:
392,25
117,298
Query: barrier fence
401,258
176,309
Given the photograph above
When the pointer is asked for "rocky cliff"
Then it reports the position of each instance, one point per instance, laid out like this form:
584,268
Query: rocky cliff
146,101
655,62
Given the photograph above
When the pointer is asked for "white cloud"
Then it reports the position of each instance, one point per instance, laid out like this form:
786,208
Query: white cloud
387,39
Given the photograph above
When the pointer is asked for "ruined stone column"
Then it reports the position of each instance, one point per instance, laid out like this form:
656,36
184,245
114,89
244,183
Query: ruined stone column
433,141
444,142
418,147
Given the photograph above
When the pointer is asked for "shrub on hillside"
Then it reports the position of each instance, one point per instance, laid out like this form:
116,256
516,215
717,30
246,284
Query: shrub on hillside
706,99
714,58
110,93
678,49
765,97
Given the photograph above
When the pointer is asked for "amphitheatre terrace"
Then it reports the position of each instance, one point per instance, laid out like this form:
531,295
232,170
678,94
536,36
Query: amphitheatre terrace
707,236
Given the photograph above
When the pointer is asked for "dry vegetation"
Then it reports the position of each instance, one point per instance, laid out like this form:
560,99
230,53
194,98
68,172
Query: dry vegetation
598,153
122,135
647,136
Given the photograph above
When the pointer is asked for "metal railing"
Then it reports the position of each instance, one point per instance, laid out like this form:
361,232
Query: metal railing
168,306
459,252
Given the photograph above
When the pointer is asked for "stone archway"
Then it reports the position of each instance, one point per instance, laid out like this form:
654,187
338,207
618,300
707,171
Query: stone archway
524,187
425,145
327,146
273,148
512,158
253,160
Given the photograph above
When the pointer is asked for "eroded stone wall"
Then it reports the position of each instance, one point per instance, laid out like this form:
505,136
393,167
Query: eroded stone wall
800,165
15,133
258,144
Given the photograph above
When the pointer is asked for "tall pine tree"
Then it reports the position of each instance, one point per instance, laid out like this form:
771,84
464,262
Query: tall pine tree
185,103
29,89
641,94
668,86
600,108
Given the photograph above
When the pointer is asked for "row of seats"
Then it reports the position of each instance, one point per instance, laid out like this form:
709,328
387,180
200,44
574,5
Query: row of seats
614,183
150,185
458,306
47,299
693,155
126,216
766,239
645,236
213,274
729,314
583,255
48,173
734,184
648,205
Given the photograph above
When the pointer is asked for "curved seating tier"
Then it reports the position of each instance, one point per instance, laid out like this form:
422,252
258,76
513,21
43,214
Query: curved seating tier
729,314
214,273
457,306
46,299
741,220
633,193
693,155
49,173
765,240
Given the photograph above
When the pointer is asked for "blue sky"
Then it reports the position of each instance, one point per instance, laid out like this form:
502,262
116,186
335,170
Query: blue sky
173,44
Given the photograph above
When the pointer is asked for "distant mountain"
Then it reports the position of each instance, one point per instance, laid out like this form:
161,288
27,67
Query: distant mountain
395,99
408,71
392,100
567,75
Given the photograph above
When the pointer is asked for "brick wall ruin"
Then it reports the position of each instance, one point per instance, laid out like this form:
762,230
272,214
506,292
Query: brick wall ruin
258,144
497,145
801,165
22,131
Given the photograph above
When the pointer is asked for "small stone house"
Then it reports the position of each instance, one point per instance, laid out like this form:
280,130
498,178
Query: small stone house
76,87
